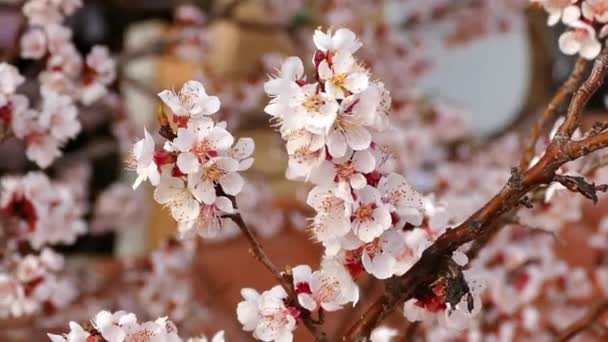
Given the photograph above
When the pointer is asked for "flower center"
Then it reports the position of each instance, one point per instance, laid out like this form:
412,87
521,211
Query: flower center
372,248
204,150
346,122
364,213
338,80
327,290
345,171
331,203
213,173
313,103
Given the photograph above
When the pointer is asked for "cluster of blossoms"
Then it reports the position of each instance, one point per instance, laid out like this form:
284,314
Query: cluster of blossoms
586,20
122,326
66,72
329,125
367,217
196,173
34,284
267,315
66,81
39,211
162,282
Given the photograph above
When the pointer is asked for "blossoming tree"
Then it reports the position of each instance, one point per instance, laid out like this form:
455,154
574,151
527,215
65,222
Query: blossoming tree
461,240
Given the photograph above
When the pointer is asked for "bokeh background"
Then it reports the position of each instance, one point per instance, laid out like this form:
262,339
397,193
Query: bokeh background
498,65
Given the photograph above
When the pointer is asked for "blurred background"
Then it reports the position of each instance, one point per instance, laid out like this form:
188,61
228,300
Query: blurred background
484,67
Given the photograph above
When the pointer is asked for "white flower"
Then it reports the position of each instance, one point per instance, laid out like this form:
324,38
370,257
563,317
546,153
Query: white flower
210,220
10,79
370,217
343,41
306,152
59,115
395,252
291,71
333,206
219,170
143,155
59,39
42,148
76,334
351,129
312,110
560,9
344,76
242,151
174,193
100,73
48,213
581,40
329,288
197,143
595,10
347,170
266,315
191,100
402,198
41,12
122,326
111,325
33,44
67,59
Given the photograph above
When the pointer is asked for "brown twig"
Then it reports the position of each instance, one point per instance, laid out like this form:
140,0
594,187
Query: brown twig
283,279
435,259
258,252
561,95
583,94
585,322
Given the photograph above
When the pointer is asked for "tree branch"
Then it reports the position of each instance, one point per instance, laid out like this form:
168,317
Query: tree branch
283,279
435,259
583,94
258,252
585,322
569,86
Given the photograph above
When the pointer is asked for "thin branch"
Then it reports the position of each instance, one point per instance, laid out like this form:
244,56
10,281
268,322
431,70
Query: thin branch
258,252
580,185
283,279
585,322
583,94
569,86
435,259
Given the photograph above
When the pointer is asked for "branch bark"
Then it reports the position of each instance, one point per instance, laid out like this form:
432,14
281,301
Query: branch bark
283,279
561,95
435,258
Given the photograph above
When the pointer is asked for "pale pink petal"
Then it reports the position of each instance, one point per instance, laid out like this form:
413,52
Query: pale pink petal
232,183
364,161
188,162
358,138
